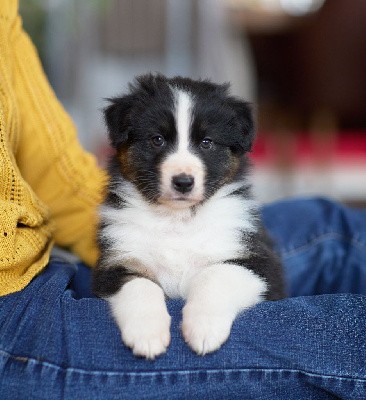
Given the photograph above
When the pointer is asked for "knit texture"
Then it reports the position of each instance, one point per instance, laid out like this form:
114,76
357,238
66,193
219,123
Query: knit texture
49,186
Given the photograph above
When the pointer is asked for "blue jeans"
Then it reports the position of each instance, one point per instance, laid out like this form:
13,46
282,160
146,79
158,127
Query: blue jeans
57,341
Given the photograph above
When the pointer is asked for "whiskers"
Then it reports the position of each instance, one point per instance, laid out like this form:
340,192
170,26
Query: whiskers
148,182
232,188
210,190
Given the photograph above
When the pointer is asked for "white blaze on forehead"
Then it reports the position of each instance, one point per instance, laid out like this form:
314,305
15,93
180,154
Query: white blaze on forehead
183,117
182,160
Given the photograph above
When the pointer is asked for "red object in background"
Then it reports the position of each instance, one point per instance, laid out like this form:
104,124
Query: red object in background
342,147
351,146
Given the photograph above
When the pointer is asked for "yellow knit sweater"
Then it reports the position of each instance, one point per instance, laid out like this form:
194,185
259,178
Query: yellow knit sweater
49,186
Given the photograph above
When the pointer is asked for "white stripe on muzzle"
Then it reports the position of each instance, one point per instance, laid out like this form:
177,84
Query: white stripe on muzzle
182,160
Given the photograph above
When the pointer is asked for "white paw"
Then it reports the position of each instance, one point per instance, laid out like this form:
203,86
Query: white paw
205,331
147,336
140,311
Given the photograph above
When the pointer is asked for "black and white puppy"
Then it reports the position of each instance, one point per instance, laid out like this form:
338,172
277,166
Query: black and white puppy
179,219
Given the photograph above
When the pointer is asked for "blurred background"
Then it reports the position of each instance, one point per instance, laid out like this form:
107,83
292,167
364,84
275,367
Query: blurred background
301,62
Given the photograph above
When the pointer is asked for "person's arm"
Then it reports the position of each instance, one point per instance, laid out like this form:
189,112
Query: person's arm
63,175
49,186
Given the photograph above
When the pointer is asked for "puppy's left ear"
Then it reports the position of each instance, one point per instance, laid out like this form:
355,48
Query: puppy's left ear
245,123
117,117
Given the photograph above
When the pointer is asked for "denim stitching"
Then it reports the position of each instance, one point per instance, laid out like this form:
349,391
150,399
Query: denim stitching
321,238
80,371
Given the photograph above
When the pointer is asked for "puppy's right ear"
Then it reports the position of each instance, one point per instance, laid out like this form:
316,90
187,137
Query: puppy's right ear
117,117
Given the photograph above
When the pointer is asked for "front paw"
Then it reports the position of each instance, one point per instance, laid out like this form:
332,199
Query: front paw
205,330
140,312
147,336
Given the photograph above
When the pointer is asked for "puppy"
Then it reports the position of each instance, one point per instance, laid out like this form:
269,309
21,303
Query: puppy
179,219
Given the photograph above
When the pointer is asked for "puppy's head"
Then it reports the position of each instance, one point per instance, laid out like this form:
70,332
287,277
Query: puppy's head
179,140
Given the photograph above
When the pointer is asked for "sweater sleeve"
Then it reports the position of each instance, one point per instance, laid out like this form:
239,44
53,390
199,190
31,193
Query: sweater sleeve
61,178
62,174
26,232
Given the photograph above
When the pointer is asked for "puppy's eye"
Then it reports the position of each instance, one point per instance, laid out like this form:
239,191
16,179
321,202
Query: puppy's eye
157,141
206,144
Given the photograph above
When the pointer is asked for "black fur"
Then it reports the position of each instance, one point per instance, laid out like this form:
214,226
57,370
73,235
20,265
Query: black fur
107,281
135,118
265,263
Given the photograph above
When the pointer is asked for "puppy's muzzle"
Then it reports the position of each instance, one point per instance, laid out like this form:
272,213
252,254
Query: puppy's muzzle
183,183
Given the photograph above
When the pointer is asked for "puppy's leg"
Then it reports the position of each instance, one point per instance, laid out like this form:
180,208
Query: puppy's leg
215,297
141,314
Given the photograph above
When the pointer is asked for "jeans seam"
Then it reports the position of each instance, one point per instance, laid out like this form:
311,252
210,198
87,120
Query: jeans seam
319,239
68,370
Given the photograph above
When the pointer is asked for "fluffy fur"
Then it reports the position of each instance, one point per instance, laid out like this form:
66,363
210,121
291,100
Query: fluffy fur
179,219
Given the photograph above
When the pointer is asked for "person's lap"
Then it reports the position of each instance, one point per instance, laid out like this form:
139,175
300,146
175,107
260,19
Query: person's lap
322,245
57,341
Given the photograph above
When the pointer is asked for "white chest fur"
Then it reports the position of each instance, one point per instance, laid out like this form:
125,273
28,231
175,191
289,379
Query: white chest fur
172,246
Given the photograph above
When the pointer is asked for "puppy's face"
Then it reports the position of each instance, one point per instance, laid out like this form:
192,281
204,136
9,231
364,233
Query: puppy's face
179,140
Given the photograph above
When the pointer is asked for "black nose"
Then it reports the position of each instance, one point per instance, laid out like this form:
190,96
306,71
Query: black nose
183,183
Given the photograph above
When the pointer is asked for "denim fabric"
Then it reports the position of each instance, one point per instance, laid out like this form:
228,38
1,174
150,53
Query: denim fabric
59,342
322,245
